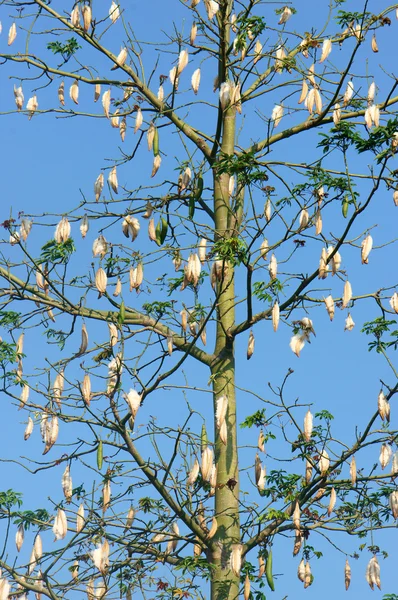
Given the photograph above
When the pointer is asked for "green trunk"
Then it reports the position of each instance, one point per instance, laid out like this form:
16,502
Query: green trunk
225,584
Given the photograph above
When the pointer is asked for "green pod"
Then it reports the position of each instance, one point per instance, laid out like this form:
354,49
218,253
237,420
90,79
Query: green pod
100,455
161,231
156,142
122,313
203,438
191,207
268,571
344,207
199,187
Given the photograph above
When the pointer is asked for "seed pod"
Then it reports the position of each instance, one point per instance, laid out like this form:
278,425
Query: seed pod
374,45
246,588
366,247
50,431
349,92
235,561
301,571
12,34
373,573
100,557
277,114
298,541
138,120
225,94
307,575
60,527
67,484
336,114
383,407
38,547
123,128
304,92
86,13
121,58
19,536
58,387
19,97
133,399
80,518
394,468
28,429
326,50
393,502
75,16
353,471
260,441
213,529
106,102
32,106
74,92
329,303
349,323
193,33
273,267
182,61
268,210
61,93
385,455
156,164
101,280
207,463
221,410
86,389
100,246
258,49
336,260
308,471
324,462
297,343
62,231
347,294
84,342
193,475
129,519
347,574
112,180
106,495
285,15
160,94
250,345
296,516
114,12
275,316
332,501
264,249
115,120
84,226
394,302
98,186
261,567
308,426
212,8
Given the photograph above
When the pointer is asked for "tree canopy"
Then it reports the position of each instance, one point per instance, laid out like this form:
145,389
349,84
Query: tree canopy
198,299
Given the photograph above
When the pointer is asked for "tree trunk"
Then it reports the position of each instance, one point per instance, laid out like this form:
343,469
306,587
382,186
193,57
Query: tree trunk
225,584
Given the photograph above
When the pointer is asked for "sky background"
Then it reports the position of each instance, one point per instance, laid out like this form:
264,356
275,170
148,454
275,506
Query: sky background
49,164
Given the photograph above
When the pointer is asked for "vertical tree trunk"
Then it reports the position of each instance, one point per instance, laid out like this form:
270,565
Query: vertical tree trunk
225,585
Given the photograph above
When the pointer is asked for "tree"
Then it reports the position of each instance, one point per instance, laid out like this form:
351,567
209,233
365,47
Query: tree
260,202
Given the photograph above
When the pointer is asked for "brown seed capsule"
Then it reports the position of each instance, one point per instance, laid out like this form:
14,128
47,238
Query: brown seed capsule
385,455
374,45
12,34
332,501
246,588
86,13
250,345
347,294
98,186
86,389
29,429
298,541
307,575
301,570
101,281
353,471
112,180
308,426
296,516
74,92
61,93
383,407
308,471
347,574
84,342
393,501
